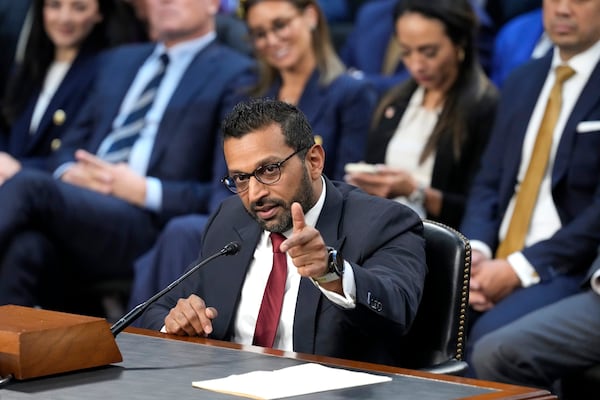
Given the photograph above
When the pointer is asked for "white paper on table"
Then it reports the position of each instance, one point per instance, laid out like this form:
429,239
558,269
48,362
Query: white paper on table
291,381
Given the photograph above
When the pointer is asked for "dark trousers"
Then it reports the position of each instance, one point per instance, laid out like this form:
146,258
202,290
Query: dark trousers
45,222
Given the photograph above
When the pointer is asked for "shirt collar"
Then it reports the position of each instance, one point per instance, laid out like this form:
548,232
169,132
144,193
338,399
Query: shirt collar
186,48
583,63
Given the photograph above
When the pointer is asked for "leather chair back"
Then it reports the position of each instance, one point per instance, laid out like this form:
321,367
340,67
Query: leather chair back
436,340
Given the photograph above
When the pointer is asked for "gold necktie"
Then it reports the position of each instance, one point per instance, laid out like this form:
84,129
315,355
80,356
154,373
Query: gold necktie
530,187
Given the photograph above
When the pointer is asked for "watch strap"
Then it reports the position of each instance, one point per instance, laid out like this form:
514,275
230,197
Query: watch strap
329,277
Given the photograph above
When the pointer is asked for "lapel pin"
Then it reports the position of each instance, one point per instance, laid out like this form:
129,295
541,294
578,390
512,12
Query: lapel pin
389,112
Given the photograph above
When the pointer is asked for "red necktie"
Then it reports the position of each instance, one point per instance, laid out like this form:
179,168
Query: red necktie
270,308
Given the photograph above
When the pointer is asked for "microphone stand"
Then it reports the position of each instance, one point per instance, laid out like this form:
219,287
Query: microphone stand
229,249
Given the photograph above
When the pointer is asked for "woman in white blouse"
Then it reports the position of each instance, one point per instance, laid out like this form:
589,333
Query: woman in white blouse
428,133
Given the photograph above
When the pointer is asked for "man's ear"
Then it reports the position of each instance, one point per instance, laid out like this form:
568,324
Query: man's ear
315,161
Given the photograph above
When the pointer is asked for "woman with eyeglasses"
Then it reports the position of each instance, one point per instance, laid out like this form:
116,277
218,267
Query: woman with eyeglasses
429,133
298,65
50,85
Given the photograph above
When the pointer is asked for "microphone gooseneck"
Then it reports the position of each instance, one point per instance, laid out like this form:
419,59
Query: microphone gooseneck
229,249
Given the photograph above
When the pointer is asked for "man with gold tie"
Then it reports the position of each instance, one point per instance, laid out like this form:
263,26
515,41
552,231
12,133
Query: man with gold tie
533,215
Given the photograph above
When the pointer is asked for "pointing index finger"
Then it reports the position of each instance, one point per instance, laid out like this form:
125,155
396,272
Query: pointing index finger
298,221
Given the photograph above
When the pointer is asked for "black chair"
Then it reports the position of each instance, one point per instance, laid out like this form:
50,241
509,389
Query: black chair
581,384
436,340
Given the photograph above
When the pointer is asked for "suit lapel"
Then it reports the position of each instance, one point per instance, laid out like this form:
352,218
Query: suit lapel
312,99
522,107
309,297
194,79
586,101
78,72
230,289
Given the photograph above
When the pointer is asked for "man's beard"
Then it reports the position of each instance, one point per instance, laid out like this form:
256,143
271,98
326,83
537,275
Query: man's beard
304,196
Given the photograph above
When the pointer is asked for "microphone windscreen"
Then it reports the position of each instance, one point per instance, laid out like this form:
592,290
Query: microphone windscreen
232,248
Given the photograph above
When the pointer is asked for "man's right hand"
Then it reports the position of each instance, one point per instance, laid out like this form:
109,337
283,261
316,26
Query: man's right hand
190,317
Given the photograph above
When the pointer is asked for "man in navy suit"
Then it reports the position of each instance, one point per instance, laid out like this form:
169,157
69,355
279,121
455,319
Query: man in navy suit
355,262
564,228
98,216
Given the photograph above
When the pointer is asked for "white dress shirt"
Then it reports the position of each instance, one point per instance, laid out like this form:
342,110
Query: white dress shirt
256,281
406,146
54,77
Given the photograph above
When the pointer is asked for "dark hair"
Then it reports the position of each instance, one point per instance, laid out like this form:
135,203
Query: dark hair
114,29
329,64
249,116
460,24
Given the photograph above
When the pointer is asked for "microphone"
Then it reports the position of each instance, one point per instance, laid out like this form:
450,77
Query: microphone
229,249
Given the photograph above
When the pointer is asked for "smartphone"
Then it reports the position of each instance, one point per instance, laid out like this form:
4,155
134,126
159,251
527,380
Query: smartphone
353,168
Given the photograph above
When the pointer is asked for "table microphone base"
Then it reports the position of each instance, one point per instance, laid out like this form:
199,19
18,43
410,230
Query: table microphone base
36,342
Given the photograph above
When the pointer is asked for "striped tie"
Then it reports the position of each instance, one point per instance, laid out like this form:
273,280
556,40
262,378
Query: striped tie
117,146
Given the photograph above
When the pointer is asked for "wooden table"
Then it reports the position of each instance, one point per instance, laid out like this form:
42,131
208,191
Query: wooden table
159,366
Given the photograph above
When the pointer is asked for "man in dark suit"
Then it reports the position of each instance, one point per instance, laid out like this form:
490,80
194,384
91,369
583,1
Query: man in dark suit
524,261
355,262
554,342
100,215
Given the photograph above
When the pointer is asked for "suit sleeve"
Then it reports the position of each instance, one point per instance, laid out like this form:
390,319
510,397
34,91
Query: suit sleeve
180,197
358,100
390,272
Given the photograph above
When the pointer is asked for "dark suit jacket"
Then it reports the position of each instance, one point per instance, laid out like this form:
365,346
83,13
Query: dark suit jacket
33,150
380,238
187,137
339,114
451,176
575,175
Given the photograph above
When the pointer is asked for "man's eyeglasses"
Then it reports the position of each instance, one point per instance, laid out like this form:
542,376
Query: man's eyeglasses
278,27
268,174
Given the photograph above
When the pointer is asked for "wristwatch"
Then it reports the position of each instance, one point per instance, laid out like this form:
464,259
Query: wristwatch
335,267
418,195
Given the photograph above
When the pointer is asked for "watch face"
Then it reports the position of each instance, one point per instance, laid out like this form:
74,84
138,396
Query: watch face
336,264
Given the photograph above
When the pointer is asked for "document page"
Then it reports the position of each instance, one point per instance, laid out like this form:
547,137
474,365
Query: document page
291,381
